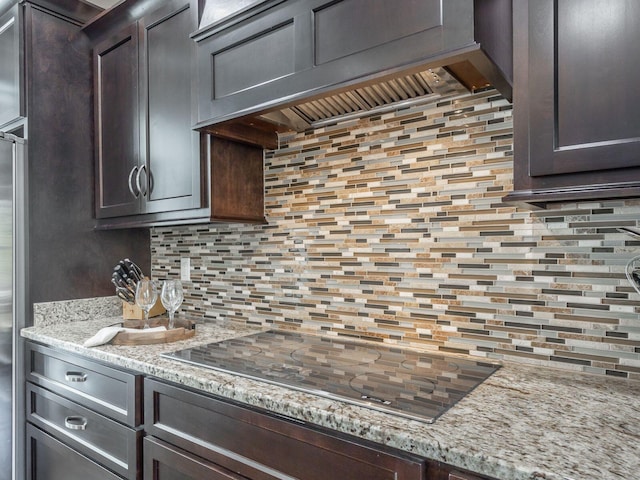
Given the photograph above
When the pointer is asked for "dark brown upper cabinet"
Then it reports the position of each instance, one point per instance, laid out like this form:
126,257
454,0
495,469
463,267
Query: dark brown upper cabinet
152,168
11,92
577,134
277,53
147,156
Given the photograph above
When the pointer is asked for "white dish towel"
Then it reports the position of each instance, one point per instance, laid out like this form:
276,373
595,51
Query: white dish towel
105,334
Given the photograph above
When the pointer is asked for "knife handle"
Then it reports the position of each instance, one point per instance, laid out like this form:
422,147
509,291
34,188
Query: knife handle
133,268
123,267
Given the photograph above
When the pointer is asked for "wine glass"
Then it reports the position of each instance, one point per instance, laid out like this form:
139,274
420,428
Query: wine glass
171,298
146,296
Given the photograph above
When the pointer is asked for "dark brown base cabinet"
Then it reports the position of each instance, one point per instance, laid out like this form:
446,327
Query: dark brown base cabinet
255,445
194,435
83,418
576,129
84,422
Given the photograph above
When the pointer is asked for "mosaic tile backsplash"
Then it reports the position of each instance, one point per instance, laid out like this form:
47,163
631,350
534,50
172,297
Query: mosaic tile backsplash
392,228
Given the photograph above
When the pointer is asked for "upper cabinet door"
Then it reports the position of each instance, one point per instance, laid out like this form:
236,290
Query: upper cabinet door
583,109
120,180
11,95
169,147
576,116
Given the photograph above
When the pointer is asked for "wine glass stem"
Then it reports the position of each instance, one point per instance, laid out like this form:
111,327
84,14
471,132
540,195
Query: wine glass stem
146,319
171,323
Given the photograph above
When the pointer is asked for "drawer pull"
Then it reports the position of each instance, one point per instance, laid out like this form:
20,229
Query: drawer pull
75,423
75,377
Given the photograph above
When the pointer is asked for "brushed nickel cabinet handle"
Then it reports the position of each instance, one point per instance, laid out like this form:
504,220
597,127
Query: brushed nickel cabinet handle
75,422
134,171
75,377
143,191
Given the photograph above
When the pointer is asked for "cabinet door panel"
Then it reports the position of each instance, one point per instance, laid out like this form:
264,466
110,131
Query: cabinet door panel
11,105
582,115
341,29
171,147
249,63
116,124
612,39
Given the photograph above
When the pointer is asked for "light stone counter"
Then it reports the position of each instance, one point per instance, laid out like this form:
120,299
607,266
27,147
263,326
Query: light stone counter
522,423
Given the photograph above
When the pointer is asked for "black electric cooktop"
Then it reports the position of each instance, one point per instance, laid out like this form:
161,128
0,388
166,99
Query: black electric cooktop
416,385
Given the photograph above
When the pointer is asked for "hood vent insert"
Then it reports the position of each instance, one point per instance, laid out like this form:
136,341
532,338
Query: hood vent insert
373,98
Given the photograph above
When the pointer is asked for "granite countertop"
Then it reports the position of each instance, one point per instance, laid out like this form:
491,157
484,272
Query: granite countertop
523,423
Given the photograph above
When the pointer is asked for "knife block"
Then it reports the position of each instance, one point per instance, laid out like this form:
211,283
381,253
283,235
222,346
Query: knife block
134,312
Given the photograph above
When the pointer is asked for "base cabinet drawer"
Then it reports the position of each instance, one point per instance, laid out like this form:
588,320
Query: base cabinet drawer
109,391
257,445
165,462
50,459
104,440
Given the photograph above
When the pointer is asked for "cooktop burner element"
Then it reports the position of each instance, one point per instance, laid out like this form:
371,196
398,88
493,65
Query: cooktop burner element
416,385
337,354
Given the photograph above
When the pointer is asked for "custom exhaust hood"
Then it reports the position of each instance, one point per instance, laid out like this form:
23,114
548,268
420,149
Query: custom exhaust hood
279,66
264,127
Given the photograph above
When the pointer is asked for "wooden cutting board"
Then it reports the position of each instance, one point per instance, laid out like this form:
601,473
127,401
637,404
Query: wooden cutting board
184,329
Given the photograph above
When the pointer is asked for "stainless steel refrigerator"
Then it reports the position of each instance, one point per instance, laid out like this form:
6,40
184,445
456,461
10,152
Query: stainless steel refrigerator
13,245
